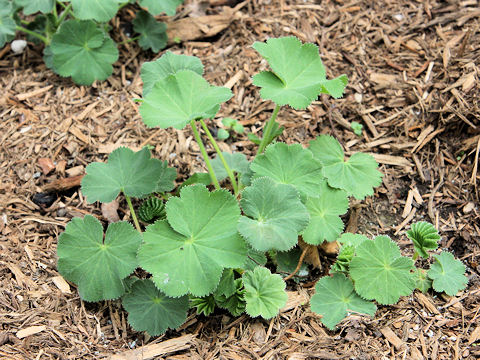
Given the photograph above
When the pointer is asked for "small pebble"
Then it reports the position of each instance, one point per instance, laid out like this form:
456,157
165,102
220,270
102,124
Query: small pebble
18,46
61,212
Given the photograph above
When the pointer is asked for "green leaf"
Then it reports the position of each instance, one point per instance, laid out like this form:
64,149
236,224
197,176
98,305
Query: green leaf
156,7
422,282
188,253
7,24
83,51
182,97
168,64
287,262
380,272
48,57
357,128
354,240
335,298
99,10
276,131
264,293
325,210
254,258
153,34
133,173
33,6
358,176
151,209
197,178
151,311
234,303
229,122
274,215
96,265
204,305
166,178
226,286
296,83
238,128
448,274
222,134
424,237
290,164
236,161
344,258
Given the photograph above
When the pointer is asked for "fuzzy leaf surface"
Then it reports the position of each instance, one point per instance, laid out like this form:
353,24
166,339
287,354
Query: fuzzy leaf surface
168,64
296,83
290,164
33,6
254,258
156,7
99,10
96,265
7,24
236,161
182,97
380,272
153,34
335,297
448,274
133,173
325,210
227,283
83,51
357,176
424,237
188,253
166,178
274,215
264,293
422,281
152,311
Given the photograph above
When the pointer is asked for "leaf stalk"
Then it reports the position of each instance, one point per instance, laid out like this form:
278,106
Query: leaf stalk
268,130
132,212
33,33
199,141
300,261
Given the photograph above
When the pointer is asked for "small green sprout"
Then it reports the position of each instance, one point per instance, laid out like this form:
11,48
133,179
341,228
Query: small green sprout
232,129
357,128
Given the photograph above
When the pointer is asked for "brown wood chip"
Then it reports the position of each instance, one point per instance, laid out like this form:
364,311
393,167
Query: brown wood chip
392,337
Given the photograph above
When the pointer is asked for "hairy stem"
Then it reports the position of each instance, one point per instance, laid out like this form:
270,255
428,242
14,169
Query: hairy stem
33,33
300,262
204,154
268,130
67,10
230,173
132,212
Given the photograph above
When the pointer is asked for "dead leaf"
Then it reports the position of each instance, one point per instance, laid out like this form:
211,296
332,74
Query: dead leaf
46,165
383,79
311,257
109,211
330,248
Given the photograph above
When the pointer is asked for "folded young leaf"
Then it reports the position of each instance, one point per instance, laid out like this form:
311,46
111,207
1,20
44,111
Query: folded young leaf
264,292
133,173
424,237
344,258
182,97
96,265
296,83
188,253
99,10
153,34
152,311
83,51
380,272
325,210
358,176
204,305
34,6
7,24
236,161
290,164
156,7
448,274
226,286
168,64
274,215
335,298
234,303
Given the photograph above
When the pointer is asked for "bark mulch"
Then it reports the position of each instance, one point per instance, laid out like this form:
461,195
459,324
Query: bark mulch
413,69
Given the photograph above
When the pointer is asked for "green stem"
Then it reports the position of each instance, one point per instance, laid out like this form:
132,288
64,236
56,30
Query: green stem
129,40
132,212
268,130
415,256
55,14
204,154
230,173
65,12
33,33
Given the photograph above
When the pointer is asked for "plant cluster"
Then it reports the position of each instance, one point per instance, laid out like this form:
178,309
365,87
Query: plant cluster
208,249
75,33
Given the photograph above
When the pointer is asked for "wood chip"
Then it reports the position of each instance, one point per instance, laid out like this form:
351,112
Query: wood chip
46,164
408,204
392,337
32,330
33,93
151,351
391,160
78,134
61,284
295,298
427,303
474,336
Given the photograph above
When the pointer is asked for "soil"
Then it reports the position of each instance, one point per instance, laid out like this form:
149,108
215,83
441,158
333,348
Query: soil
413,69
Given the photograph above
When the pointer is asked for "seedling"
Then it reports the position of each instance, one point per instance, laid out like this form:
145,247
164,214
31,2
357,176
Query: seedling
75,33
232,128
208,249
357,128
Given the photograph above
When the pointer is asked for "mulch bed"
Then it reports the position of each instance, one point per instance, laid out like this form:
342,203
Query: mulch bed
413,69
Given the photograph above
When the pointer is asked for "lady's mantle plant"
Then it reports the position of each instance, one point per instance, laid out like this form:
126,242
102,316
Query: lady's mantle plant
75,33
208,249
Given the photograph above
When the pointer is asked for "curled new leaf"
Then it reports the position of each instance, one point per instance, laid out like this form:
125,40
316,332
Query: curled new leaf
424,237
151,209
151,311
264,292
448,274
96,265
